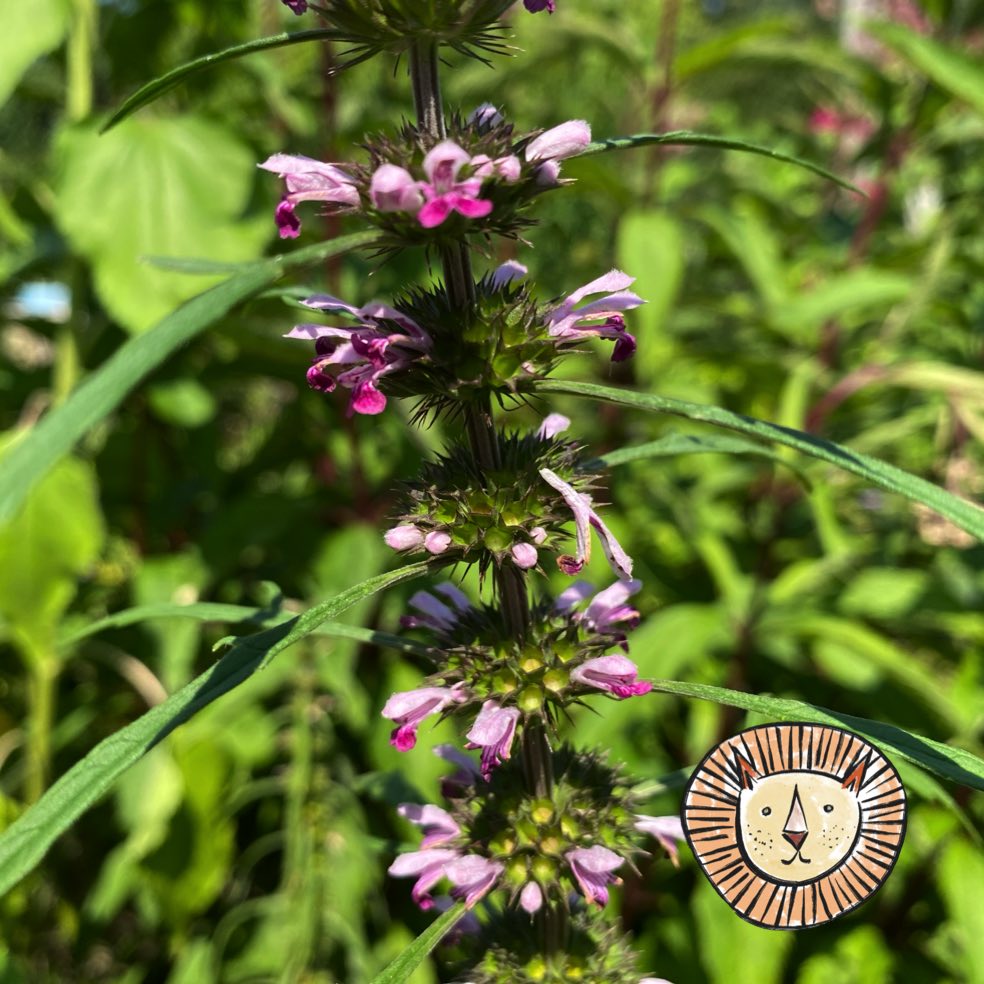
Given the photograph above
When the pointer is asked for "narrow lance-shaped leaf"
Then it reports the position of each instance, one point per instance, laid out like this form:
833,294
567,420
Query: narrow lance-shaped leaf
676,444
687,138
106,387
157,87
27,840
415,954
956,764
964,514
215,612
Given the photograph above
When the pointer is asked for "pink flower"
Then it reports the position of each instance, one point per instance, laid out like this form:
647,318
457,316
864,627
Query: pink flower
443,192
593,869
524,555
437,825
472,876
372,350
535,6
403,537
493,732
584,519
428,866
464,779
506,273
565,322
560,142
616,674
555,145
434,613
393,189
437,541
308,180
409,707
531,897
508,168
607,613
667,830
298,6
485,117
553,424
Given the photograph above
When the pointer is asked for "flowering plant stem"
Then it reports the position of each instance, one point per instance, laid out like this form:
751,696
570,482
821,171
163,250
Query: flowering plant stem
510,582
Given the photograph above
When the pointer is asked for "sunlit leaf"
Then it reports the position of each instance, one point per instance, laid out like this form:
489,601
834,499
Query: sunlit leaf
687,138
26,841
104,390
964,514
415,954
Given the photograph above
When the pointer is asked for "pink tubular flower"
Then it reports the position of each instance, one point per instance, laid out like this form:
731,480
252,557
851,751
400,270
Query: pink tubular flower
403,537
428,866
443,192
298,6
593,869
566,322
531,897
555,145
667,830
493,732
616,674
608,607
393,189
472,876
553,424
524,555
434,614
308,180
437,825
409,707
437,541
506,273
372,349
585,518
535,6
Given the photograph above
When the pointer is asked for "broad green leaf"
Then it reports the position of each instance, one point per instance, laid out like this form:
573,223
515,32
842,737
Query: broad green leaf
883,592
956,764
964,514
25,842
722,936
960,74
157,87
674,444
650,244
176,187
961,874
415,954
49,544
862,956
207,611
105,388
687,138
28,31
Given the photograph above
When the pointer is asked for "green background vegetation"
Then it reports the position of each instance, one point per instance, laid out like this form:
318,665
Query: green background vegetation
251,844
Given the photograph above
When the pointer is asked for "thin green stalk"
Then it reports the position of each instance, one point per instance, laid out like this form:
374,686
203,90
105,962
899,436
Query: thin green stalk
510,582
42,680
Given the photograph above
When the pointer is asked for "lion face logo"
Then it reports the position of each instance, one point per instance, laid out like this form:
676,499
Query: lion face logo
795,824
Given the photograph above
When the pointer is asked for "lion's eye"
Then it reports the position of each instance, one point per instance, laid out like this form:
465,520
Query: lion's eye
766,810
828,808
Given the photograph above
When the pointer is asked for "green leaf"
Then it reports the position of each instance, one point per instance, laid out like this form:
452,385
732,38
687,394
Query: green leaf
687,138
25,842
176,187
964,514
105,388
51,542
28,31
674,444
956,764
401,968
207,611
157,87
962,75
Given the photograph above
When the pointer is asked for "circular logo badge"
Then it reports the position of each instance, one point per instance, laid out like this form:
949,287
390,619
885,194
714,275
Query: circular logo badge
795,824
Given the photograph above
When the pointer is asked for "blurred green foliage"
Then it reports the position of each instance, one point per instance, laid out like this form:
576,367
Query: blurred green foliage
251,845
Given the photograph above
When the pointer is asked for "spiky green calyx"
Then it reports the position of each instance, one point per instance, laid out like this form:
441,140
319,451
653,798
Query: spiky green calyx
486,515
595,953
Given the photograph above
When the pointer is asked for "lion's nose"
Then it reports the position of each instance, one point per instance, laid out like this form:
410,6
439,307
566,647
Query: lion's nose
795,838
